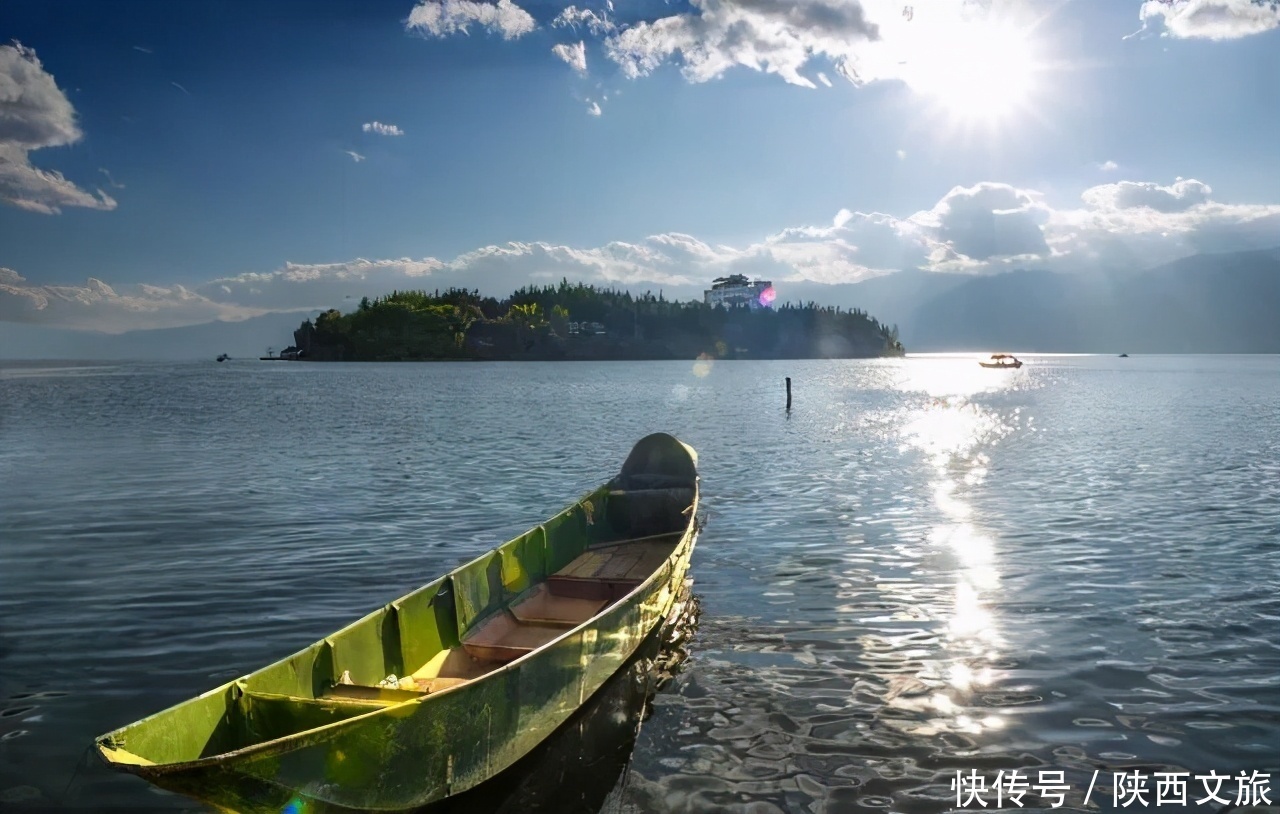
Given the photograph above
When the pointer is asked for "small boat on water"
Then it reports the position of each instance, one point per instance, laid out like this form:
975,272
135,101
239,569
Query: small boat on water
222,357
1003,360
1124,356
443,688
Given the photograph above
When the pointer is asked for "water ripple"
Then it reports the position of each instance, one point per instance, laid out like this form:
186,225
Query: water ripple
926,568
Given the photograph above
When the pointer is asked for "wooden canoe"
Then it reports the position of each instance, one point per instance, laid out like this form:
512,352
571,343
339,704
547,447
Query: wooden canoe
446,686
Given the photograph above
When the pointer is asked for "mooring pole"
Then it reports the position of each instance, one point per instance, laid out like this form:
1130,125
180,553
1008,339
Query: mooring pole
788,394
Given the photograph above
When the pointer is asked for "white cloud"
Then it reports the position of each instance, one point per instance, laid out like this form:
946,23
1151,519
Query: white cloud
44,191
855,247
572,17
1108,166
989,220
1212,19
1180,196
775,36
982,229
1147,223
319,285
574,55
97,306
902,155
356,157
863,40
382,129
35,113
593,109
440,18
960,43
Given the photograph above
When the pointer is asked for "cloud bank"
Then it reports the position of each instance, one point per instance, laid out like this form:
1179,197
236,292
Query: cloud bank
1212,19
860,40
1179,196
986,228
774,36
96,306
800,41
35,114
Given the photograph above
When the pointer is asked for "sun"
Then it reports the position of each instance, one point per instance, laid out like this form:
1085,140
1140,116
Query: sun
988,73
975,71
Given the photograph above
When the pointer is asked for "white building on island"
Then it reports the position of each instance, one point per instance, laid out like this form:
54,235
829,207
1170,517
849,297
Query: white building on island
736,290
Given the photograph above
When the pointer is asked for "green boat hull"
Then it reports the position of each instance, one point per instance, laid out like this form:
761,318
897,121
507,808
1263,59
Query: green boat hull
277,739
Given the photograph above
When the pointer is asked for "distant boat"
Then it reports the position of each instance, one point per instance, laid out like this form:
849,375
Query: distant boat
1124,356
1003,360
480,665
222,357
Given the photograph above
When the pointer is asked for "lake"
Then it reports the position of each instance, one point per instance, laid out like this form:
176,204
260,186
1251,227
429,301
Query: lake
925,568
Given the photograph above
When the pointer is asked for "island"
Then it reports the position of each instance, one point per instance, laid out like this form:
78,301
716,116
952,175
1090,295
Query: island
576,321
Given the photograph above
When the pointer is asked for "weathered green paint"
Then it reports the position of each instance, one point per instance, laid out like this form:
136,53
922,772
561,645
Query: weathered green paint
261,740
427,622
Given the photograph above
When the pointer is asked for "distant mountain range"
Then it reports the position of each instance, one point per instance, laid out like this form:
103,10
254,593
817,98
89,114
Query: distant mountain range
247,339
1208,303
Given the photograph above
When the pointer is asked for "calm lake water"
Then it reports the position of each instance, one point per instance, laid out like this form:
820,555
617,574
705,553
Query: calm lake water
927,567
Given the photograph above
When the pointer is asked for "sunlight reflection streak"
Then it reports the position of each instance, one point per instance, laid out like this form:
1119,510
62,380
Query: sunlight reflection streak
952,432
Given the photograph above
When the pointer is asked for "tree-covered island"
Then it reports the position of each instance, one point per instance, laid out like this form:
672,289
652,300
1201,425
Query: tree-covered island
577,321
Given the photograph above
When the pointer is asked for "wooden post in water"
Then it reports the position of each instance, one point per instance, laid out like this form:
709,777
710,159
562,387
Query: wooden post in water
788,394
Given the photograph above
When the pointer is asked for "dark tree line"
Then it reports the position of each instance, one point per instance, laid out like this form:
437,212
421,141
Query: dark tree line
535,323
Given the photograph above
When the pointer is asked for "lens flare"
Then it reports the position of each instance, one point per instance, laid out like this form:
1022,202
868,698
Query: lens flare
703,365
768,296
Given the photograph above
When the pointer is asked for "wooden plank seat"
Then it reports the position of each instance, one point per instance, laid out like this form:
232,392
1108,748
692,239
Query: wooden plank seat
531,621
504,638
609,572
451,668
541,607
590,588
598,577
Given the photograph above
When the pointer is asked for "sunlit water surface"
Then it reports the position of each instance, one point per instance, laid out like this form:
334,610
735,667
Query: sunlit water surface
927,567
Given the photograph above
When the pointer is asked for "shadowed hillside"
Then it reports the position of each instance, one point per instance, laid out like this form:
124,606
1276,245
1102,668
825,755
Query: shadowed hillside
1209,303
1202,304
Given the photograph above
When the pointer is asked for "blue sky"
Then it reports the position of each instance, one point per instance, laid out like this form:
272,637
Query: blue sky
206,153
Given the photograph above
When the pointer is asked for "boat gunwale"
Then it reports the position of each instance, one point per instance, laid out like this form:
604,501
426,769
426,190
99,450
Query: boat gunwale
308,736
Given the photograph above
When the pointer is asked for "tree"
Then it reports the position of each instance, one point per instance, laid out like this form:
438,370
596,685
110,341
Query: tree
534,319
560,320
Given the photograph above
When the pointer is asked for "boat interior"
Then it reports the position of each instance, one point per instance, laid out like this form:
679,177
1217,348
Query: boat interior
455,630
